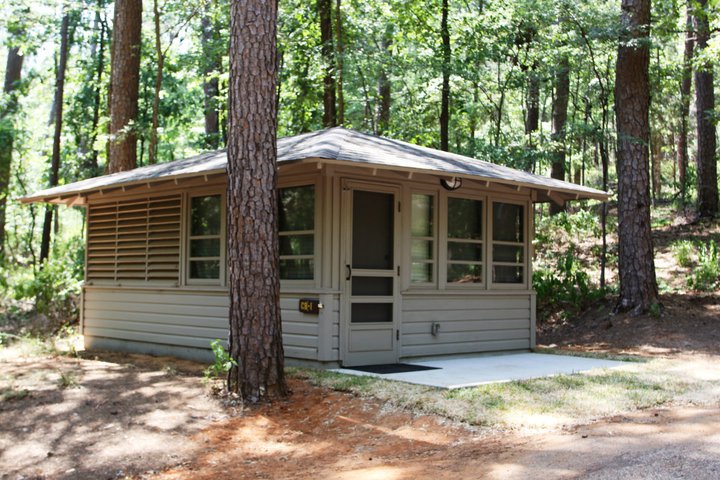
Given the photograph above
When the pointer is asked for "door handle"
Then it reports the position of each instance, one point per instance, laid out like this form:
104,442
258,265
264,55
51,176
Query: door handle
348,272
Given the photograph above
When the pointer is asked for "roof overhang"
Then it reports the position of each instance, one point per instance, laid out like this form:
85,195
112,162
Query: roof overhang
328,147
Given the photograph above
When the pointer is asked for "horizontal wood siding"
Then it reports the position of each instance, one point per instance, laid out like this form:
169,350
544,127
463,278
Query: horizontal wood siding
467,324
194,318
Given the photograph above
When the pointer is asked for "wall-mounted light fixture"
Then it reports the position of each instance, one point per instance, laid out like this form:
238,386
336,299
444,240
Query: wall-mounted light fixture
452,184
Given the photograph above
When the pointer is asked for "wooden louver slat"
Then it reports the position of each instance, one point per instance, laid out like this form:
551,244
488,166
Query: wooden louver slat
135,240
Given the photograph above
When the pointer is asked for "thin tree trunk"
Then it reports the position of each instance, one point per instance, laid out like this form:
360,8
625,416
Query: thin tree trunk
58,120
685,93
124,85
326,38
707,181
160,59
638,287
13,72
210,70
445,94
340,61
91,167
559,120
255,326
384,84
656,149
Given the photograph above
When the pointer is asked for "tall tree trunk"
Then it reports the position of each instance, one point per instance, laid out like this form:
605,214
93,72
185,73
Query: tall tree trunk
57,120
559,119
445,94
91,166
685,92
384,84
532,117
13,72
656,154
255,327
159,66
326,38
340,61
707,181
638,287
124,85
210,70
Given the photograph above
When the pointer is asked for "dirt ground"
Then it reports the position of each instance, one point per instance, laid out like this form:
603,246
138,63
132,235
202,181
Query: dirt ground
133,416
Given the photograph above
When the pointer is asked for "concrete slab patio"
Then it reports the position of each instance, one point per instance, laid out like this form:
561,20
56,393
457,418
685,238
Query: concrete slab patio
470,371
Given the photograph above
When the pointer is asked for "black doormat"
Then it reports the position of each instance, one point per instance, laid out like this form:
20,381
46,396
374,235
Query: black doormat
387,368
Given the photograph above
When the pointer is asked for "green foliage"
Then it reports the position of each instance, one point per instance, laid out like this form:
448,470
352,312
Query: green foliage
53,288
684,252
706,275
223,361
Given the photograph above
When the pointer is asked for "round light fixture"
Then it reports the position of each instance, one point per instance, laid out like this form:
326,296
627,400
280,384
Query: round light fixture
452,184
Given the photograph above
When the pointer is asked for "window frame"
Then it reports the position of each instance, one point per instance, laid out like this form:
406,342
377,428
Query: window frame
304,181
483,285
435,238
221,281
524,285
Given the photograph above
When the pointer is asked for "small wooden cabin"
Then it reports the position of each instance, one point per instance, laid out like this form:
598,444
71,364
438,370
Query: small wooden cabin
388,251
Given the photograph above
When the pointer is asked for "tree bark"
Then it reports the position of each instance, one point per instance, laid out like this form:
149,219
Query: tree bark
91,166
638,287
326,38
559,120
159,66
532,118
707,181
384,84
57,120
124,85
685,92
13,72
211,86
445,94
255,326
340,66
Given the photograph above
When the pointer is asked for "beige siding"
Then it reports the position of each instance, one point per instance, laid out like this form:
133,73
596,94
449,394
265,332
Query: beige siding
194,318
468,324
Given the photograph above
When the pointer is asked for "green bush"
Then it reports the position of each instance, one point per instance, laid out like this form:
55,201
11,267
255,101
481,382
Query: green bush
683,251
706,275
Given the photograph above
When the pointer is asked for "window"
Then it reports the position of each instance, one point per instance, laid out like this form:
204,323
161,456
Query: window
464,241
296,220
422,242
205,239
508,243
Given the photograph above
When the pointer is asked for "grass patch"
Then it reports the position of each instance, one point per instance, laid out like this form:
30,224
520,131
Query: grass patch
10,394
539,403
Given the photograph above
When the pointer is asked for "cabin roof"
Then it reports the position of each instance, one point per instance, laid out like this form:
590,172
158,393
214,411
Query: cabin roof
333,145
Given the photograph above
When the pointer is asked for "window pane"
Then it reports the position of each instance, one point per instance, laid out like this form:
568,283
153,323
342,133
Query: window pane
205,215
421,249
460,273
421,272
465,251
296,208
372,236
464,218
505,274
372,286
508,253
300,269
205,269
206,247
297,244
371,312
508,222
422,215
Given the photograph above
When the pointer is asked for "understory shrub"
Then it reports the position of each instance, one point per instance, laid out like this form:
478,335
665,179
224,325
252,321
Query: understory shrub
223,361
706,274
683,251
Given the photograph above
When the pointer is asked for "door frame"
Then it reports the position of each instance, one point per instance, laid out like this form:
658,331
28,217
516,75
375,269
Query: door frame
348,186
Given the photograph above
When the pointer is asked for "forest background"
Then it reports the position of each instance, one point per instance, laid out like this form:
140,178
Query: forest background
528,84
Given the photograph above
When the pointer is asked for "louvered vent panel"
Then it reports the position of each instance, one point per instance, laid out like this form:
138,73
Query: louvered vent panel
135,241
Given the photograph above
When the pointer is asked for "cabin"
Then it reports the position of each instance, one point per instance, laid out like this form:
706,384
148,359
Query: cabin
388,252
